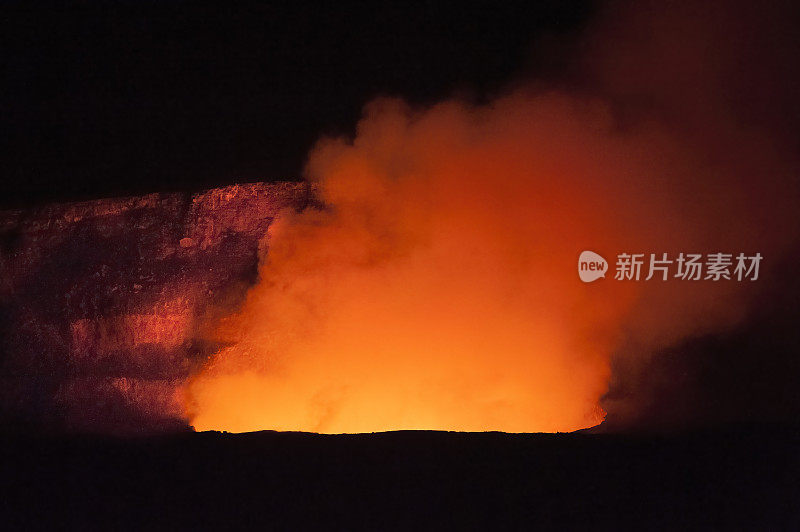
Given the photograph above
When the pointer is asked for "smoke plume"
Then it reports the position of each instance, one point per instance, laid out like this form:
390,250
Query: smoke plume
435,286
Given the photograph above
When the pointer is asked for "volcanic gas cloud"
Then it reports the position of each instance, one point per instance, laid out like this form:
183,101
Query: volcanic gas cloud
435,286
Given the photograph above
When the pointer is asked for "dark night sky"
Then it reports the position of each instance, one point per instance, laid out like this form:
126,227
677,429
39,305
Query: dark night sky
118,98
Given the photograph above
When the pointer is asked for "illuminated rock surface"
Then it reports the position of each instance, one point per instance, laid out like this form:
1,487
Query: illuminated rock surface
102,301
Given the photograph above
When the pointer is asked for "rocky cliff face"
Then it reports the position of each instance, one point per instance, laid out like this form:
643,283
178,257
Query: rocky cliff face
102,302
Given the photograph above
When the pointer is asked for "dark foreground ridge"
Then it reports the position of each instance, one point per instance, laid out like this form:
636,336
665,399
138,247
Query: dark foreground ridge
740,478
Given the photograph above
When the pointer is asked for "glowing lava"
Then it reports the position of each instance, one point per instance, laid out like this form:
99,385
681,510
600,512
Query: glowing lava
437,288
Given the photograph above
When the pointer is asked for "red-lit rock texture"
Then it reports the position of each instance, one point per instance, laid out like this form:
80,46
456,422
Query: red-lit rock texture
101,302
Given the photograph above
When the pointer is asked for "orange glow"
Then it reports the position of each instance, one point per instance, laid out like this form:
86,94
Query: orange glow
438,288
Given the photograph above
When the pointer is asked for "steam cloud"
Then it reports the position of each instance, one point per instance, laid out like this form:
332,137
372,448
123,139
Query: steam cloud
435,288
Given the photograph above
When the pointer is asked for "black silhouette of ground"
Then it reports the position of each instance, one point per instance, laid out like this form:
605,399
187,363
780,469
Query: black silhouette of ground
733,478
